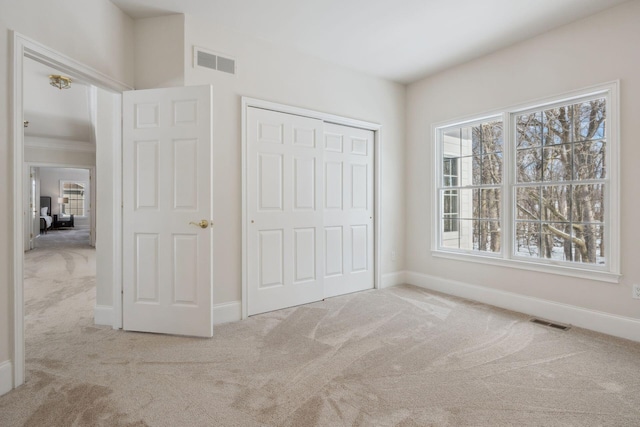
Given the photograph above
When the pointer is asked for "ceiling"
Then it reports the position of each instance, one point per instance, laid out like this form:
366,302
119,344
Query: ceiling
399,40
53,113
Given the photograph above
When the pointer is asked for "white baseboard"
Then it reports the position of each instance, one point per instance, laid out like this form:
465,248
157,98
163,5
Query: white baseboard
103,315
6,377
393,279
611,324
227,312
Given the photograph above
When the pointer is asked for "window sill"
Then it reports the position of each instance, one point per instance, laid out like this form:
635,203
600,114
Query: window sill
562,270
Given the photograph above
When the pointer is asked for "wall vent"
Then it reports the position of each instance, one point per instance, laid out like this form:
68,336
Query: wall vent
551,324
213,61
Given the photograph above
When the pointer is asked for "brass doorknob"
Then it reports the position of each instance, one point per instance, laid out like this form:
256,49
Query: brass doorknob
202,224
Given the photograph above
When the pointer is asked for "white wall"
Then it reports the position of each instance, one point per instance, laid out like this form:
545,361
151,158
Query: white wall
107,111
598,49
268,72
63,157
158,41
95,33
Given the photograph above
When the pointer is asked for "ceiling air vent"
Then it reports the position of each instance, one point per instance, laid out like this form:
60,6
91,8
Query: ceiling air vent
213,61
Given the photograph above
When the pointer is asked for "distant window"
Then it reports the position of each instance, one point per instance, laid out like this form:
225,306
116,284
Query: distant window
75,193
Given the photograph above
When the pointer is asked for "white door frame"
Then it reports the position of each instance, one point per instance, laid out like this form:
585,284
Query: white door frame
331,118
24,47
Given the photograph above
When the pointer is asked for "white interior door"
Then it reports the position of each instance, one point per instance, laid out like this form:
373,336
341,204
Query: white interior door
284,210
167,268
348,209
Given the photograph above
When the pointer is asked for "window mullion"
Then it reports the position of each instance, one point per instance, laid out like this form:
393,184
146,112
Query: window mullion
508,190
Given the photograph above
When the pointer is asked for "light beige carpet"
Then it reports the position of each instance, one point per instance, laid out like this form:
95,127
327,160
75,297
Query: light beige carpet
397,357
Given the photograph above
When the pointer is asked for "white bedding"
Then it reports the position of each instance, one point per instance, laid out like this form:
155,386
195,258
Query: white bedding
47,219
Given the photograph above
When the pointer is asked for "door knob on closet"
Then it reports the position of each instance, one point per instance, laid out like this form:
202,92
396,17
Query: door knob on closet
202,224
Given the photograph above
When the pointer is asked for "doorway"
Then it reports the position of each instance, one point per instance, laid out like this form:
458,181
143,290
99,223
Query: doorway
105,119
59,282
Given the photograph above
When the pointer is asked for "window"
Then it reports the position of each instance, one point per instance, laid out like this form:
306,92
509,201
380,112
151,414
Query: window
561,182
532,185
450,203
472,177
75,193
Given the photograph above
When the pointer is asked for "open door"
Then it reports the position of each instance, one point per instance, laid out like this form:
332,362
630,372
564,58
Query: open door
167,206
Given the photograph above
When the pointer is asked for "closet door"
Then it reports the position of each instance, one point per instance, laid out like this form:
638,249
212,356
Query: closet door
348,209
284,210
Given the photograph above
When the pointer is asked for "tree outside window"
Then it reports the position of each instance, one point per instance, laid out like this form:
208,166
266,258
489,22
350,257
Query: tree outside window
560,182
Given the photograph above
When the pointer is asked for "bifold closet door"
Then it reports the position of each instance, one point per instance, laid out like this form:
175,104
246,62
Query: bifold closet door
284,210
348,209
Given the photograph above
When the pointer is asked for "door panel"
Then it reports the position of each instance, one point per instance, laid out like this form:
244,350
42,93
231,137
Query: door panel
333,251
271,258
271,179
304,254
334,185
359,248
146,174
167,273
304,183
349,209
147,268
185,174
359,184
284,188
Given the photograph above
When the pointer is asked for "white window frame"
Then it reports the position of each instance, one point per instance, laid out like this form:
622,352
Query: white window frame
610,272
457,197
86,195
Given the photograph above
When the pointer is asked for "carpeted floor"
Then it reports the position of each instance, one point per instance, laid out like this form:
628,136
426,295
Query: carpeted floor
401,356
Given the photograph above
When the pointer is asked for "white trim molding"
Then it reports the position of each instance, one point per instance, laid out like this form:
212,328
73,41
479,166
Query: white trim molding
58,144
606,323
227,312
393,279
23,47
6,377
103,315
